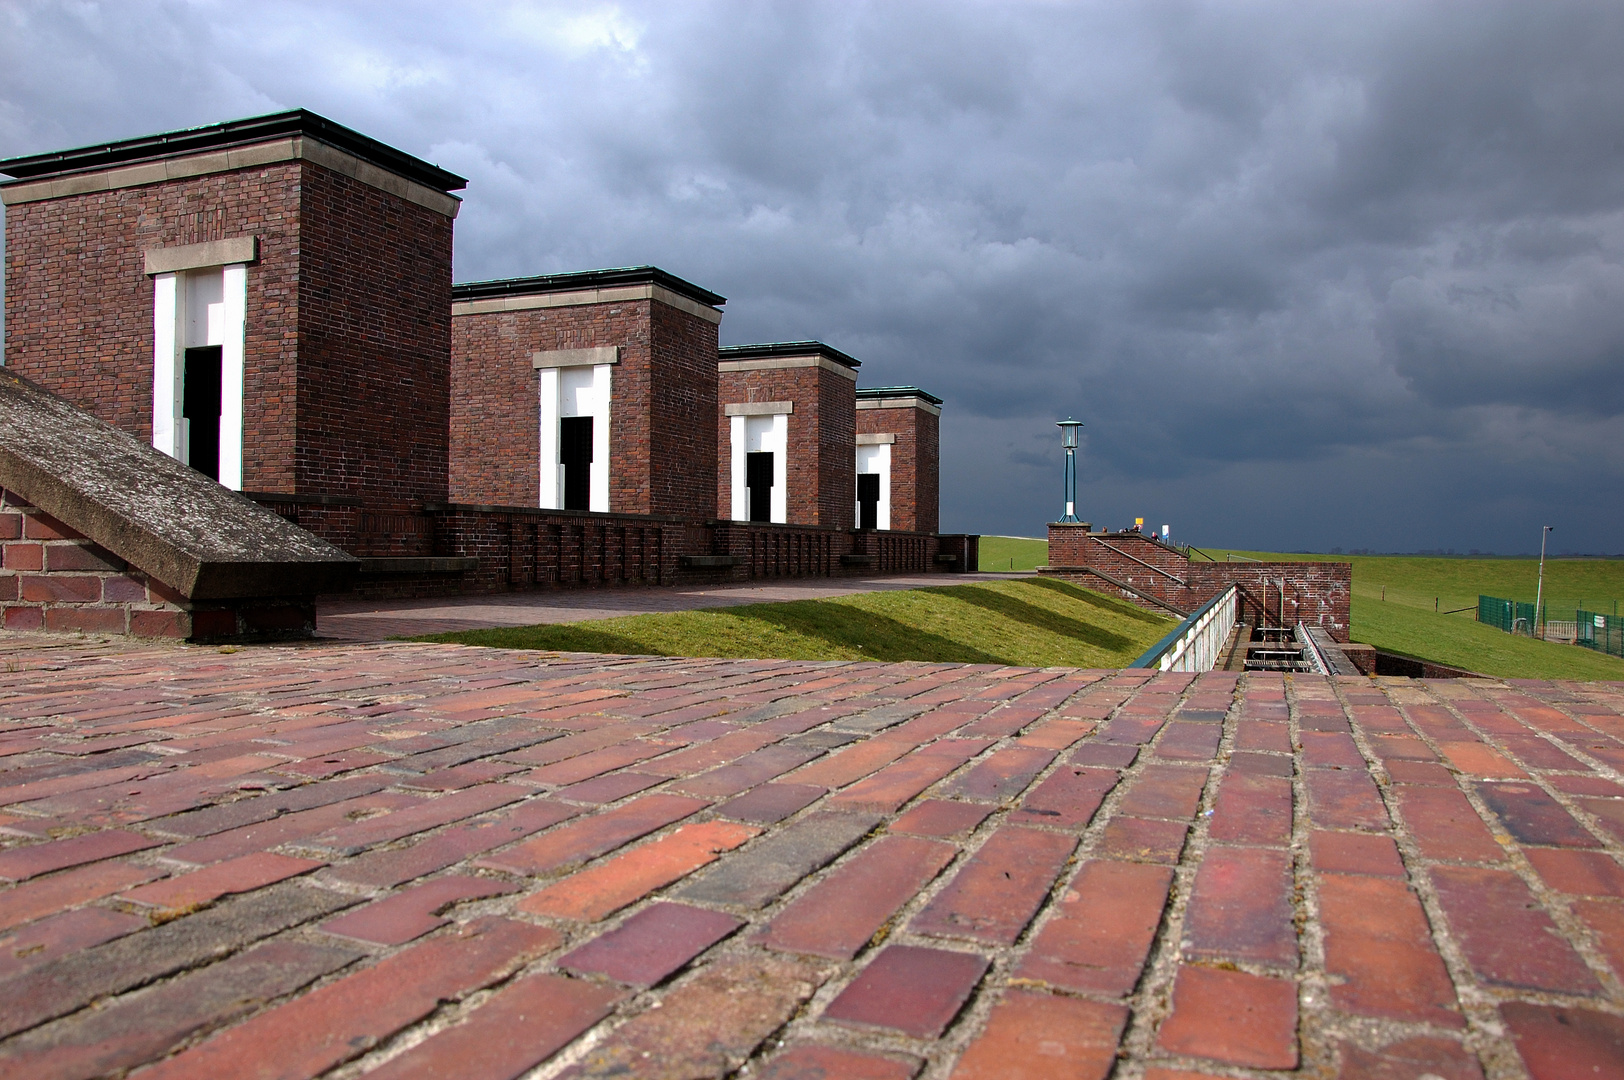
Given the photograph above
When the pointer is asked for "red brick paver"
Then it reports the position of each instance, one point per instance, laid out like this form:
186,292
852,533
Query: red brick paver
399,860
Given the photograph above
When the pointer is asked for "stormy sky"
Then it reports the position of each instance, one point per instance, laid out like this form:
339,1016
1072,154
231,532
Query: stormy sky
1313,275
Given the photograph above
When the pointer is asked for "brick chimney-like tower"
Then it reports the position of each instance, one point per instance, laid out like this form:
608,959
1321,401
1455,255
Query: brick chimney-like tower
591,391
267,299
790,406
899,436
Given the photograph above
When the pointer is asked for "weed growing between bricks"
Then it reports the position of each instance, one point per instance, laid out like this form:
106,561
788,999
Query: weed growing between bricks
403,860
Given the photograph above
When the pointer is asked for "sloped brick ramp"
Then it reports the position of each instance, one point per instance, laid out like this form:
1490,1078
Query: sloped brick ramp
422,861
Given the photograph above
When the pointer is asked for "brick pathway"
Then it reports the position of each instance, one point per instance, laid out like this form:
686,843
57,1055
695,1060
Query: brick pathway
379,620
420,861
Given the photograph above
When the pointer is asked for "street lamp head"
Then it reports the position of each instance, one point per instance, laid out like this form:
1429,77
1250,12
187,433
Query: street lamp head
1068,432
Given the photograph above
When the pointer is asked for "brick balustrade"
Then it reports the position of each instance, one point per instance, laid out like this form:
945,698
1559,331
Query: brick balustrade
385,861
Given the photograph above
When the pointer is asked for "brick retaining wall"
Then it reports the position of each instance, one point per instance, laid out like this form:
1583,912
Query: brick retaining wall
1315,593
53,578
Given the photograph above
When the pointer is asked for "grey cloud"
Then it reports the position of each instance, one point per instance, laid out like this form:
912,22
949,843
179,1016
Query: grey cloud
1338,274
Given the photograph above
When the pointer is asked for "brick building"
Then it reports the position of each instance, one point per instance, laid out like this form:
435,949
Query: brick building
588,391
270,302
268,299
899,445
786,436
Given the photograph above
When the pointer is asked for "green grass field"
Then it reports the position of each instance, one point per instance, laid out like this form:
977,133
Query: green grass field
1394,598
1032,622
1008,553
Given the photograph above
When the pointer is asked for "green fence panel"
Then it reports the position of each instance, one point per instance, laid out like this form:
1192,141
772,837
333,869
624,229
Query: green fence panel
1604,633
1512,616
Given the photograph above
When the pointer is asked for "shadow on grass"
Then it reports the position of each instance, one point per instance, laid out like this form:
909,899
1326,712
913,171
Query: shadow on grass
871,636
1041,618
1100,600
879,636
548,637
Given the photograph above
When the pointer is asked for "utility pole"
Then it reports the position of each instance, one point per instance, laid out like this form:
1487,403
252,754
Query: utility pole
1539,590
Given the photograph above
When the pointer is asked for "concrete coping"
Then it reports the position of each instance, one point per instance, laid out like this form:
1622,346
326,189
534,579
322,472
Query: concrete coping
759,408
165,518
171,260
785,363
875,440
900,403
561,358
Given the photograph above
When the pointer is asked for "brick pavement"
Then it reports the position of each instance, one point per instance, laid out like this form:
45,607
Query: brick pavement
413,861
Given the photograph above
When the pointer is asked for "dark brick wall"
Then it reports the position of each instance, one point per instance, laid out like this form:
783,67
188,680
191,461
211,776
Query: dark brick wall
54,579
662,458
374,345
915,464
822,467
1314,593
681,451
79,306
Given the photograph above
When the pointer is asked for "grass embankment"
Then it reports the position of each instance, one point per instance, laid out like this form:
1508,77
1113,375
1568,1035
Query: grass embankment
1394,597
1008,553
1031,623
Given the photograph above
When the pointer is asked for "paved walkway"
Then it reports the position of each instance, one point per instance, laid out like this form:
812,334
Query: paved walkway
379,620
434,861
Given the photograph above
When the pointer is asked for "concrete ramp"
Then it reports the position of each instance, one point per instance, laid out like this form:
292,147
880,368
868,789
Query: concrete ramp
202,542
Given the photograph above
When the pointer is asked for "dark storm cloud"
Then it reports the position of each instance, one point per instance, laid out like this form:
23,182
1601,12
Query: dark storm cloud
1338,274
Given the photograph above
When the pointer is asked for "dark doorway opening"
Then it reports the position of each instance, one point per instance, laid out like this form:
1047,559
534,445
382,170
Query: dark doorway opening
758,478
200,405
868,500
575,454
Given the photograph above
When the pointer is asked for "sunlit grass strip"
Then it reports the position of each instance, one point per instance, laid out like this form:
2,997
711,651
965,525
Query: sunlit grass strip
1029,623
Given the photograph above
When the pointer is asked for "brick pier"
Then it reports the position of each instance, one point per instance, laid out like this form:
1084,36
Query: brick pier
402,860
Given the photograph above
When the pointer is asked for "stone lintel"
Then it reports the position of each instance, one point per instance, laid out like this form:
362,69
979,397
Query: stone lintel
759,408
561,358
171,260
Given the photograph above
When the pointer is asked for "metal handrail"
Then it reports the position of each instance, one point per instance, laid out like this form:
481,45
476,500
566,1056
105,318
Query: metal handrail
1141,562
1170,652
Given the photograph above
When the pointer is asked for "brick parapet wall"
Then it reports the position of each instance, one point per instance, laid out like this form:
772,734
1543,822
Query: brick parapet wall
520,548
1315,593
915,464
821,469
53,578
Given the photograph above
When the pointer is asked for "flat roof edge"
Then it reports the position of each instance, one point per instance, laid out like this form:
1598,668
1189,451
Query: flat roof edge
773,349
231,133
896,392
575,281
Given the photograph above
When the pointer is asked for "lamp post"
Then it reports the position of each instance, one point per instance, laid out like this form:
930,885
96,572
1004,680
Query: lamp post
1539,590
1068,438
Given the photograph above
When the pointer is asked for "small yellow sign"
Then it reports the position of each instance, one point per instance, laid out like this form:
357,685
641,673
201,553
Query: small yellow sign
1138,523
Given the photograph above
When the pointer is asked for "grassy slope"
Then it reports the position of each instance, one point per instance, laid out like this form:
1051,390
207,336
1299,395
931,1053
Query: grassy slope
1036,623
1404,621
1012,553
